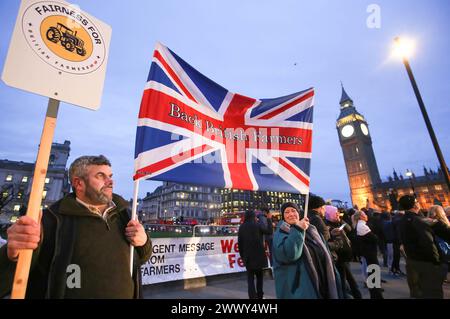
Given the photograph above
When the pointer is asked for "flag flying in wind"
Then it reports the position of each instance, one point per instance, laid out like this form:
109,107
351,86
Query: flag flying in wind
192,130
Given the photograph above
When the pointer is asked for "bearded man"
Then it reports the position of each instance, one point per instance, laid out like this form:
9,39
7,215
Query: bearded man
80,243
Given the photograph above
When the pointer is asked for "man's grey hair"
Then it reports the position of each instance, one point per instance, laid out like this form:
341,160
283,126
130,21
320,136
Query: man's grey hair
79,167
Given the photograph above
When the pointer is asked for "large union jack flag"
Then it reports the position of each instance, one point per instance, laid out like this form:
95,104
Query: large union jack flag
192,130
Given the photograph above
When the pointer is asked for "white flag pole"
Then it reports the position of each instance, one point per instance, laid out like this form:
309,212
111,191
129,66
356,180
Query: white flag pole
306,204
307,194
133,217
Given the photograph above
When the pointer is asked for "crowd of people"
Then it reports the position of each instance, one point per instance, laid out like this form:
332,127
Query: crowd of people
310,254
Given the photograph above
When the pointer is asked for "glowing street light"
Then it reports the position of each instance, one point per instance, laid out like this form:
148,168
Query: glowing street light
410,174
404,48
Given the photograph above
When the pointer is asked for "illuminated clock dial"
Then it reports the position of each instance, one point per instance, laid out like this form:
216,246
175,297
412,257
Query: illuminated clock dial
364,129
347,130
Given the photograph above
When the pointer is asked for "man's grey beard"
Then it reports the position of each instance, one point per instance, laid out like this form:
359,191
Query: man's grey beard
97,197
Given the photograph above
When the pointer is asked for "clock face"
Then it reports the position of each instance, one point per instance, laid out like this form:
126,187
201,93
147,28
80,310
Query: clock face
364,129
347,130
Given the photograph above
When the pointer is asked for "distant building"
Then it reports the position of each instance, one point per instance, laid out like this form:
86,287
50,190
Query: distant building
181,200
337,203
149,207
207,203
430,189
16,178
234,200
366,186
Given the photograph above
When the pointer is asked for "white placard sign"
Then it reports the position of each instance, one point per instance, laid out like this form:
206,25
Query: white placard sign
59,51
184,258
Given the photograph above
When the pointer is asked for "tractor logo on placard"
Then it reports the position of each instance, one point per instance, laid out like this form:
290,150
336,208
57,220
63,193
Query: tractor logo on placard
67,38
64,37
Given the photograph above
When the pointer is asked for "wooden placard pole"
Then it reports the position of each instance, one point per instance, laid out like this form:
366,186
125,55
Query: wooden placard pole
34,204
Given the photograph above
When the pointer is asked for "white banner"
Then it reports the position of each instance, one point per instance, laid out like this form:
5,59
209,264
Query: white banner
184,258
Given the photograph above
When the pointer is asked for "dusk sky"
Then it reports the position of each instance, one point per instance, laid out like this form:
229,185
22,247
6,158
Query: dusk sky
261,49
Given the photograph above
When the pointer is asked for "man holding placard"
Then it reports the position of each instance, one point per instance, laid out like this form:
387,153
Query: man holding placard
81,244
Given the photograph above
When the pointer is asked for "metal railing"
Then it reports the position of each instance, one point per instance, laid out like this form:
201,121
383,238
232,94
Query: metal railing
215,230
194,231
169,228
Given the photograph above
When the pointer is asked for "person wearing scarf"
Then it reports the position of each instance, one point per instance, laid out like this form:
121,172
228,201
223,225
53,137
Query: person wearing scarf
303,266
368,243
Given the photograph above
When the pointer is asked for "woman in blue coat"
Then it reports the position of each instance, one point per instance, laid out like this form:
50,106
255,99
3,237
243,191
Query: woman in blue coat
303,266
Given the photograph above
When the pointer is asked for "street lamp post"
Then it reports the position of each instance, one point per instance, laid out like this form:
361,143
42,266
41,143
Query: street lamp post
409,174
424,112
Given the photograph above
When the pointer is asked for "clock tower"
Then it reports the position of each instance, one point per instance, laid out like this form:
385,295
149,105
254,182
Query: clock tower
356,143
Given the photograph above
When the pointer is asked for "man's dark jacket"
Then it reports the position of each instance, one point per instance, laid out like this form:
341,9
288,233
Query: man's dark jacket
417,238
317,220
71,234
251,243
